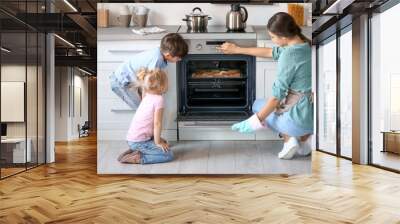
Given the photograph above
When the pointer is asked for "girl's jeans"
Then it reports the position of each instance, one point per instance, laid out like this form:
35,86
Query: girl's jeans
150,152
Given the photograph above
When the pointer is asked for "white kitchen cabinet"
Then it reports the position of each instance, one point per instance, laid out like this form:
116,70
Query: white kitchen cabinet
265,77
119,51
114,115
266,69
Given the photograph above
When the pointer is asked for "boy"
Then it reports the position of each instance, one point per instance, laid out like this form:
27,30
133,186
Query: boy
172,49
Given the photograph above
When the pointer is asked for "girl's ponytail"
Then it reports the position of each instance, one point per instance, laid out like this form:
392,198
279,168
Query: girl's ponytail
152,80
302,36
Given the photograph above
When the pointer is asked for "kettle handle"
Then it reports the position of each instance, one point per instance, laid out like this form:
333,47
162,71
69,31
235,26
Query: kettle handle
245,14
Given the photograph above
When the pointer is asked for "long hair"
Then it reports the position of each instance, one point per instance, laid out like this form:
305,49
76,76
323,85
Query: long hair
282,24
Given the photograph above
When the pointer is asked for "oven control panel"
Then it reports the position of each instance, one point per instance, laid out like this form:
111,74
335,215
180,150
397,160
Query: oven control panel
211,46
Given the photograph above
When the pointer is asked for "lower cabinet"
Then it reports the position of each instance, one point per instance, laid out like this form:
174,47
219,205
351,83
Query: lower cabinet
113,114
265,77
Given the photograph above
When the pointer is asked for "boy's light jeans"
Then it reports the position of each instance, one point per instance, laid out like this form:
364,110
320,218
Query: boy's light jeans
150,152
128,95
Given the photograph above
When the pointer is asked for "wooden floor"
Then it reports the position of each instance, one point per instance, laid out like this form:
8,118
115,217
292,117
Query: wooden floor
207,157
70,191
386,159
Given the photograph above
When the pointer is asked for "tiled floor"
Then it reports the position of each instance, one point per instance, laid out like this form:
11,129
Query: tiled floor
207,157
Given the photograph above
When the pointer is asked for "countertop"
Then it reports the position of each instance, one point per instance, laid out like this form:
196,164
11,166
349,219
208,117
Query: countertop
125,33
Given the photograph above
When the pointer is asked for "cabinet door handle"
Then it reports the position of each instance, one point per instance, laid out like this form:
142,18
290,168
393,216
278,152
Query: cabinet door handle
124,51
122,110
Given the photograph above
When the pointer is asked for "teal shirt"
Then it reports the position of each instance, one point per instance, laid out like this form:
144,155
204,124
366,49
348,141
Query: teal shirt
294,72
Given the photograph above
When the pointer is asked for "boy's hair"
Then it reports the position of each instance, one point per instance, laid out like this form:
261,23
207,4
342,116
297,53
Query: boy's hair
153,80
174,44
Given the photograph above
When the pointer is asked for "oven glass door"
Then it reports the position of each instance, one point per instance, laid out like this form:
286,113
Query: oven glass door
216,84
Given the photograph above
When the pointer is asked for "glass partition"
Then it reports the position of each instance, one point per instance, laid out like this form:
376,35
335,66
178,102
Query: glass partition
385,90
346,93
327,96
22,63
14,144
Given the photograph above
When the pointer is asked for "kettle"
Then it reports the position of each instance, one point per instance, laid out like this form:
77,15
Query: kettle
236,18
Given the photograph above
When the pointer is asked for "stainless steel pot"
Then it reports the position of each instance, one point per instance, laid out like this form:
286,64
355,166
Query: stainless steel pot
197,21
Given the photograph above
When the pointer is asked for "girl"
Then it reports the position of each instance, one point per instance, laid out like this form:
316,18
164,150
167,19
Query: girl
290,109
144,135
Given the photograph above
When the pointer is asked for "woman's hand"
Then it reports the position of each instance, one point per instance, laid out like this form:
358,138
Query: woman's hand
248,126
229,48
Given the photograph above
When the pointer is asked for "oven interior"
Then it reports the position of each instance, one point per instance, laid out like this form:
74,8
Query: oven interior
216,85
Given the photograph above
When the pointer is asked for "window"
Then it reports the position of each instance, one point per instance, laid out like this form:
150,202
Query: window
385,89
327,96
346,93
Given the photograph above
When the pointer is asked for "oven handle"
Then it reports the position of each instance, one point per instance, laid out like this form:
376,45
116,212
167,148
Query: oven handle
215,42
215,90
199,124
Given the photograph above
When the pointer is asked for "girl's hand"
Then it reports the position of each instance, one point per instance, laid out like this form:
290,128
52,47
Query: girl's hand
163,145
228,48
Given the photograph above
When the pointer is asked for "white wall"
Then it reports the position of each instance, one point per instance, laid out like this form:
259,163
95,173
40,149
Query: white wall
173,13
68,83
12,73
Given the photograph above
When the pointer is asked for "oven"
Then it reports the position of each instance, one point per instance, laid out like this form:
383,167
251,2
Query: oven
214,90
215,87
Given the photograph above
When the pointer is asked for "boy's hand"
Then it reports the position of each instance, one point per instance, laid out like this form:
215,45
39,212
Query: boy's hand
163,145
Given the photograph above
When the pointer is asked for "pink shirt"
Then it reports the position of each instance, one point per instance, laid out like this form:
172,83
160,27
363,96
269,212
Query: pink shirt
142,124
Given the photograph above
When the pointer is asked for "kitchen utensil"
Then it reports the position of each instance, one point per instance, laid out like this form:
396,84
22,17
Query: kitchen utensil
102,17
140,15
124,20
297,12
124,17
124,10
197,21
236,18
141,10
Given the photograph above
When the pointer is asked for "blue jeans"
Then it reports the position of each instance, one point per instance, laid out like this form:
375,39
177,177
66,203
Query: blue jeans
280,123
129,96
150,152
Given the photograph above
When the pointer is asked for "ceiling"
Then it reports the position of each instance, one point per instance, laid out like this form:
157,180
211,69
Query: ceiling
74,22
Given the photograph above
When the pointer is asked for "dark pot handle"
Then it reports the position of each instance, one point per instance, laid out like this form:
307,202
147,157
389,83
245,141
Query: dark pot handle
209,18
197,9
186,20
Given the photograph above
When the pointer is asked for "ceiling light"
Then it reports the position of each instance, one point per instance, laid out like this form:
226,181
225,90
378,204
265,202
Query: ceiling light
64,40
5,50
70,5
84,71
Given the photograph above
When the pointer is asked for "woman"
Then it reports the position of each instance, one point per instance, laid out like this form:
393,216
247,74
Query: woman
290,109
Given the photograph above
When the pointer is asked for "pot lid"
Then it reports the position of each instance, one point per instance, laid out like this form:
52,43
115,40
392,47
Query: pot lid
197,12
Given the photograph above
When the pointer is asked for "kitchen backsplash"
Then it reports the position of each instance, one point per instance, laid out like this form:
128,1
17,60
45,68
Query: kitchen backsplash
173,13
